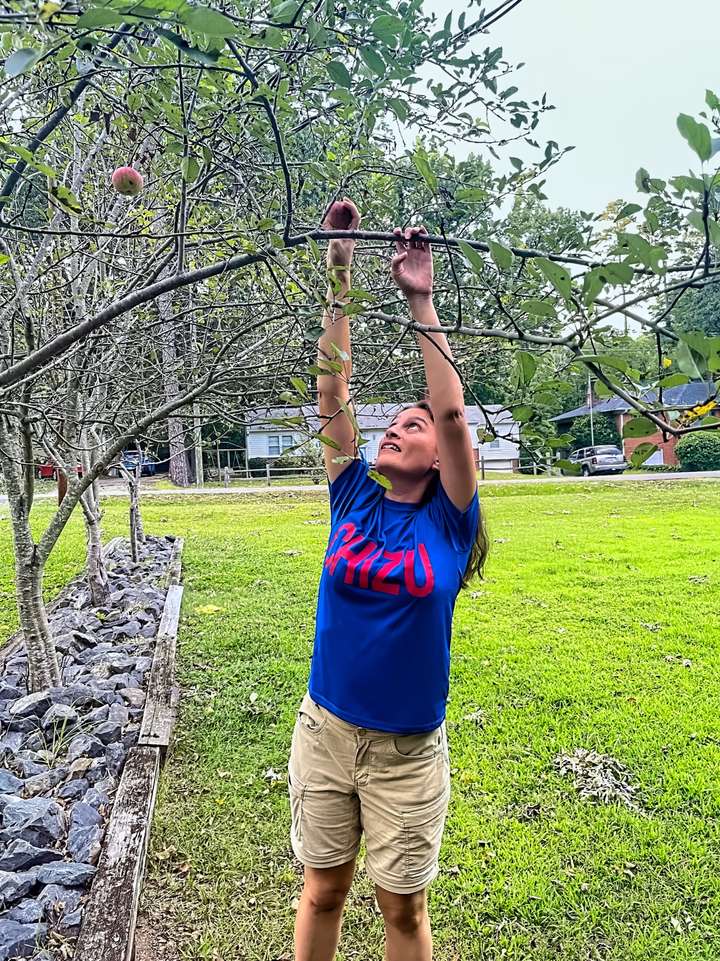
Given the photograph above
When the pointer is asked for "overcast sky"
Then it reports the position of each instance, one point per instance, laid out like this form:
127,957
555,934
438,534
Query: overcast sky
619,72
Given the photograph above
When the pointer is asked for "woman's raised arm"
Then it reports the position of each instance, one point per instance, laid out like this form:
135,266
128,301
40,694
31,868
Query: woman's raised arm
334,386
412,270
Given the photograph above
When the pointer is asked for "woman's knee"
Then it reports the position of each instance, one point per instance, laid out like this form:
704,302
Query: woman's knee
404,912
327,888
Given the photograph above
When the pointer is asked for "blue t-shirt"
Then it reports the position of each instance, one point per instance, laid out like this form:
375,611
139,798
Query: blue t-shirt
391,575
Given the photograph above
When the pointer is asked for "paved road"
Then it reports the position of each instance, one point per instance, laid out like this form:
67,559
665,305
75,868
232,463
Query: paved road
112,488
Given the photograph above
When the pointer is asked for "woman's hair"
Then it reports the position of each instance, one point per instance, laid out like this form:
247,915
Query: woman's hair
481,545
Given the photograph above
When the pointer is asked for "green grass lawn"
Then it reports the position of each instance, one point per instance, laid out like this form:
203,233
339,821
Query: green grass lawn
595,596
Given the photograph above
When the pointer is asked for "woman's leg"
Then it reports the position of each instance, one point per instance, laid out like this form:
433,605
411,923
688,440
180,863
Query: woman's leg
407,925
319,915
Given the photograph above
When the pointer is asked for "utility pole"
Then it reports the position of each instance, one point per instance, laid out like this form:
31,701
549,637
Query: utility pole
590,402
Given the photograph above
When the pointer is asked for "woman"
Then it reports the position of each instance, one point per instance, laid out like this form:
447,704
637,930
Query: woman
369,749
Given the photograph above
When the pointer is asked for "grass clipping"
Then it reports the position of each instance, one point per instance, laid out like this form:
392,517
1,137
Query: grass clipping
599,778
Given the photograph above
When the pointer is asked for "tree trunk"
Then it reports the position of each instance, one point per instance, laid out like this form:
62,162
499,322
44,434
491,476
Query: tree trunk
95,566
44,671
179,467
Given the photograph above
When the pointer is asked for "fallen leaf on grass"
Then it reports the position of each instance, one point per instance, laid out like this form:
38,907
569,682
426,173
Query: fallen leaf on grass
478,717
207,609
291,553
598,777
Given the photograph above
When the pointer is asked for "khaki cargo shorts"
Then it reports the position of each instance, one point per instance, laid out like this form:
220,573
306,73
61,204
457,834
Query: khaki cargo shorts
345,780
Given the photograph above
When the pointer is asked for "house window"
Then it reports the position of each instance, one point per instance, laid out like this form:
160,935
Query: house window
495,442
279,443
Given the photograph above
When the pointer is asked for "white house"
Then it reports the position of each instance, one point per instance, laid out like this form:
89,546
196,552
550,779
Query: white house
269,440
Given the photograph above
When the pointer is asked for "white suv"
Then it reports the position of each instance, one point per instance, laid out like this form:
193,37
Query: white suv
602,459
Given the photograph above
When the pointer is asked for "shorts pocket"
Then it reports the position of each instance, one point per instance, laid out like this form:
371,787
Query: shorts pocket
297,799
311,716
423,827
421,747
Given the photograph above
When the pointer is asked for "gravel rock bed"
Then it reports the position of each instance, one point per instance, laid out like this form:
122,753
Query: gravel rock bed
62,752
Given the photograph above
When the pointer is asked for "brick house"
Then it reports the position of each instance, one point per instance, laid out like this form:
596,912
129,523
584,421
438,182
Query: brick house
675,398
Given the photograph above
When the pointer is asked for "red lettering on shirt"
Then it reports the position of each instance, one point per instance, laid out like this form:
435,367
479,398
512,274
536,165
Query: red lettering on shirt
410,583
332,559
363,558
392,559
354,559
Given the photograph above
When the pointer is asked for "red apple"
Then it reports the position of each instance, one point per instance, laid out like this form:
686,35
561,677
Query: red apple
127,181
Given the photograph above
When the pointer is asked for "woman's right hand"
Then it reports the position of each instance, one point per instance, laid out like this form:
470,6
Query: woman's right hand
342,215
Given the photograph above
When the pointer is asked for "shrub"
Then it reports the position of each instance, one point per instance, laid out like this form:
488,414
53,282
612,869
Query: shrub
699,451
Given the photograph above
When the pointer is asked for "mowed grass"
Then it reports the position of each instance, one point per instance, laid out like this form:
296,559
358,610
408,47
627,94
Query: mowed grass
595,597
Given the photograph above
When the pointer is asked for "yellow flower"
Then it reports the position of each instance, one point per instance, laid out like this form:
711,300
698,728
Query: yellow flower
666,362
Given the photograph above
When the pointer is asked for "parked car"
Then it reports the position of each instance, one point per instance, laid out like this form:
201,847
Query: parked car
601,459
148,462
49,471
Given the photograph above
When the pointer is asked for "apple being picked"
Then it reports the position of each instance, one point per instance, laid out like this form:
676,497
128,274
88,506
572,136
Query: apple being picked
127,181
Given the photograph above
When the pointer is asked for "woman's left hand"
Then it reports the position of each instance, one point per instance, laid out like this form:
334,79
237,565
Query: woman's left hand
412,265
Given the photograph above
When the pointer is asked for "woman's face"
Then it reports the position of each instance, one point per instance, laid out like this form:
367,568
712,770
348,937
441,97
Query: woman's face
408,446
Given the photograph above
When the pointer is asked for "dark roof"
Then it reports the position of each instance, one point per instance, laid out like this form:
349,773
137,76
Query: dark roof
686,395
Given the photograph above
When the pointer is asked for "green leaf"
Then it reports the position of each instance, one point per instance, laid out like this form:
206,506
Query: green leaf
373,60
316,32
557,275
284,12
472,256
697,135
471,194
540,308
345,408
618,273
484,436
339,73
502,256
689,184
206,57
380,479
190,169
568,467
639,427
300,386
288,421
101,17
313,332
673,380
642,180
523,413
605,360
328,441
422,166
641,453
208,21
627,211
689,361
20,61
387,28
527,365
67,199
398,107
712,100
